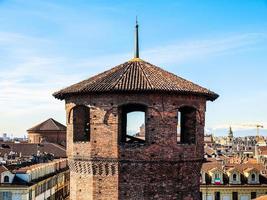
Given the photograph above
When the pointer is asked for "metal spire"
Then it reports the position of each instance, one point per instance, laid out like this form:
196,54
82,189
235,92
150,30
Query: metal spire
136,45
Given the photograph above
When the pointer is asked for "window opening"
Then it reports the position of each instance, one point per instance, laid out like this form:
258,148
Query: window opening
81,123
133,123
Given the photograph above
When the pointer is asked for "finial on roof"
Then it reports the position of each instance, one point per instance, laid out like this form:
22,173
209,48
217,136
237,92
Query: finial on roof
136,46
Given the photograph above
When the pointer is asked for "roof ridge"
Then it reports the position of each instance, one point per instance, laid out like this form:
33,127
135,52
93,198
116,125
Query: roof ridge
37,125
145,75
54,123
123,74
161,76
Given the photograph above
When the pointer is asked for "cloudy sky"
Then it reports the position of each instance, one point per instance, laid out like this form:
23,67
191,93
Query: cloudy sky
46,45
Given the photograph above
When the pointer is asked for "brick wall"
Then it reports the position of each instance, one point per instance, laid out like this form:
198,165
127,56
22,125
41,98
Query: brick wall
102,168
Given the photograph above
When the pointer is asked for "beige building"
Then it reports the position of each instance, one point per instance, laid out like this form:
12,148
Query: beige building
44,181
48,131
232,181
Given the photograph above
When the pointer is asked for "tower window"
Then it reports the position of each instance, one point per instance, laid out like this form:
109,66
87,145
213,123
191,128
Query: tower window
133,125
81,123
186,125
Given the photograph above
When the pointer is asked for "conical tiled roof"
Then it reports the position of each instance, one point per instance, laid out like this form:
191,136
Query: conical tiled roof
135,75
48,125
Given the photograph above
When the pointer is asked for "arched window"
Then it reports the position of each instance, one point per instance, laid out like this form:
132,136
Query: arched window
133,123
81,123
217,176
234,177
253,177
6,179
186,125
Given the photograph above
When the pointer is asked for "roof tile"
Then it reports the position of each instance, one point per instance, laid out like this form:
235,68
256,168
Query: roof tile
48,125
135,76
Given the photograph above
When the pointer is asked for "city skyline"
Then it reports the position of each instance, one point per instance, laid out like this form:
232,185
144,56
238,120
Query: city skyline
47,45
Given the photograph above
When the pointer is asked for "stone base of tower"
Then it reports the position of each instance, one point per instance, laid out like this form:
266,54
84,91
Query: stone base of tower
81,186
93,180
134,180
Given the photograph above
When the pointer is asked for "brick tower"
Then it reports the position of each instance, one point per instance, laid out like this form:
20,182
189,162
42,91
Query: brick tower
107,163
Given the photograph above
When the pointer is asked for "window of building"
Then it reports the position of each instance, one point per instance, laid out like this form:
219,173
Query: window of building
30,194
253,177
81,123
234,177
6,179
253,195
186,125
132,118
217,176
217,196
6,195
235,196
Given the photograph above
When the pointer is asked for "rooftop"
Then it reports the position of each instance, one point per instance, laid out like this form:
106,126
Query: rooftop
48,125
28,149
30,168
3,169
136,75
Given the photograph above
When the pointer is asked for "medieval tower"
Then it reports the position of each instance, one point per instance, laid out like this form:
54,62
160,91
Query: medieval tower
106,163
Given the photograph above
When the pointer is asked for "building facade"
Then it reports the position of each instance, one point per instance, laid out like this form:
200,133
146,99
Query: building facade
48,131
45,181
232,181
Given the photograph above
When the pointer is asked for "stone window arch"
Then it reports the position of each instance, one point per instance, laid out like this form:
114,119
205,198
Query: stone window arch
80,119
124,135
6,179
186,125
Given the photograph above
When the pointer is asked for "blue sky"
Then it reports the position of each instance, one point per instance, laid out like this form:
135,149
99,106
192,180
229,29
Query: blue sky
49,44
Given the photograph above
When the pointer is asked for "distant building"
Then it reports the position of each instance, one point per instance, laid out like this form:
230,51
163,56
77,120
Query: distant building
261,142
18,153
5,175
5,137
232,181
36,182
48,131
230,138
261,154
209,141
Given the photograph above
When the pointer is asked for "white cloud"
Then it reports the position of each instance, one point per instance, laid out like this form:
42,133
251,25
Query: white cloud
198,49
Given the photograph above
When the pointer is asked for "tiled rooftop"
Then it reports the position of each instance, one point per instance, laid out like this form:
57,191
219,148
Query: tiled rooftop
49,125
136,76
28,149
